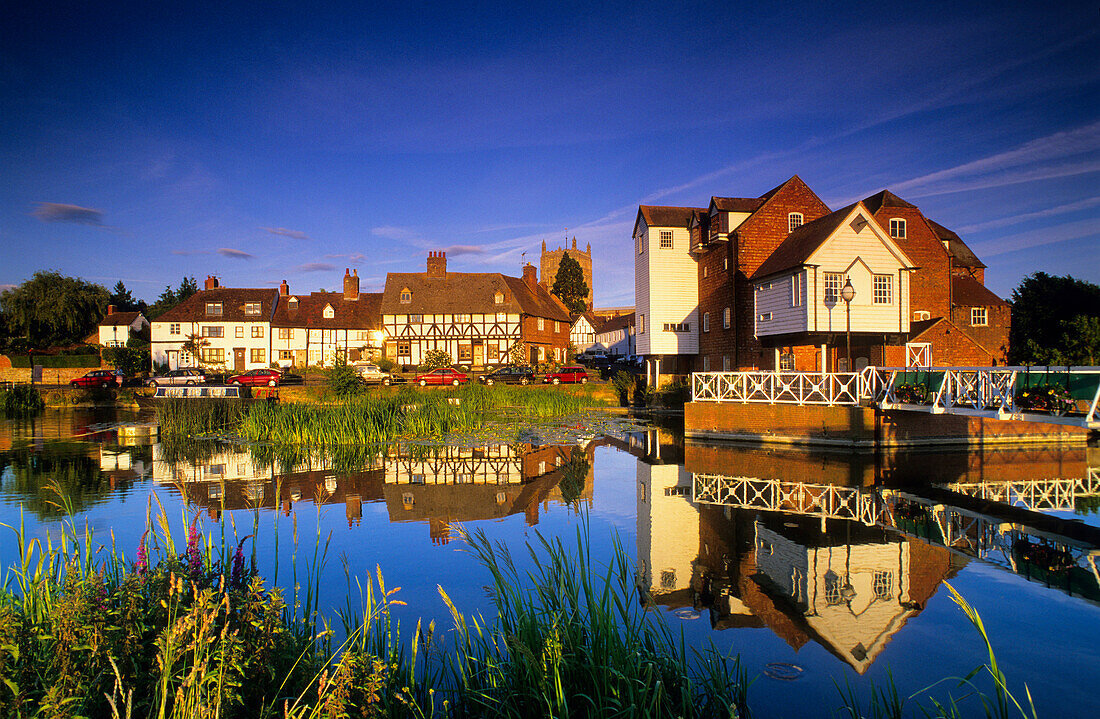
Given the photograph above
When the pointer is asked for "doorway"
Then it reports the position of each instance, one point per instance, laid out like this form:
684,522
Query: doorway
238,359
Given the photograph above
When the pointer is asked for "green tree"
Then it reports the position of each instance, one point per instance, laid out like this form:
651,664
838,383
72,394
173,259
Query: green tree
131,359
170,298
434,359
51,309
569,285
1053,321
194,346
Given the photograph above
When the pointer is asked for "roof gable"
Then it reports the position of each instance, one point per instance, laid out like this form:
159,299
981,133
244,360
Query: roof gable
308,311
876,202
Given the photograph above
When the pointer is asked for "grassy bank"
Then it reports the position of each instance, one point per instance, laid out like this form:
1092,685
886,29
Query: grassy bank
374,418
188,629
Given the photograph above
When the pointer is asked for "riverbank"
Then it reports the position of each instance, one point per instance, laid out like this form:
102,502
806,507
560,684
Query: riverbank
188,628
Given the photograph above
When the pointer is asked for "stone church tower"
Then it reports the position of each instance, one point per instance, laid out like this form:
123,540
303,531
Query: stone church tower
550,259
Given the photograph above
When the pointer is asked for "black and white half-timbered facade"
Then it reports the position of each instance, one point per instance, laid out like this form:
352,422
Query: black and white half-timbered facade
478,318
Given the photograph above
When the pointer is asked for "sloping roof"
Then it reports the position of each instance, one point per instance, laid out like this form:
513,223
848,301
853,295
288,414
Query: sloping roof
661,216
468,293
737,204
959,251
361,314
616,323
119,318
233,300
968,292
876,202
588,317
802,243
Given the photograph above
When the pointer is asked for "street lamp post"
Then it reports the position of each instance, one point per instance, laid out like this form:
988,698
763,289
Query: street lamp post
847,294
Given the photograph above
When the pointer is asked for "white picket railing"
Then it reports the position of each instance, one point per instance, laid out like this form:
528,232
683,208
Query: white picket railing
833,388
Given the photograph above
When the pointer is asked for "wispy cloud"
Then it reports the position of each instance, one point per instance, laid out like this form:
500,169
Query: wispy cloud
353,257
1039,214
188,253
315,267
391,232
1062,154
458,250
284,232
59,212
1037,238
235,254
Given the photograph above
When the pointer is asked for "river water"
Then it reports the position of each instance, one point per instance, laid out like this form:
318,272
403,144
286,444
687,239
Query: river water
817,568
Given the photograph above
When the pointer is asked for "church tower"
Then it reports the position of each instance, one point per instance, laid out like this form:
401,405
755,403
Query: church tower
550,259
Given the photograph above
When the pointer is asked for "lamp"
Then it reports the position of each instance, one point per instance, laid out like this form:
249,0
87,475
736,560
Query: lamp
848,293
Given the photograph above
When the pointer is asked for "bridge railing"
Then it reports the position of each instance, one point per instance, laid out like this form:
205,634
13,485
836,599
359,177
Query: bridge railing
830,388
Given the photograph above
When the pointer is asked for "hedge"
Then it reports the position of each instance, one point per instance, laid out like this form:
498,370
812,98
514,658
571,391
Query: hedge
55,361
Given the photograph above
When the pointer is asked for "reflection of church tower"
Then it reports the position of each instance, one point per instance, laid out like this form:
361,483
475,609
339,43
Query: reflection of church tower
550,259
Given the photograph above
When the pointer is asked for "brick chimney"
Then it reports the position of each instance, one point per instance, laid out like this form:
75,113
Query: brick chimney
351,284
110,310
211,283
284,289
437,264
530,276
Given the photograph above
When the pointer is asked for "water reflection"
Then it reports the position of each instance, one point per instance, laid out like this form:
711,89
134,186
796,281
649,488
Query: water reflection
845,549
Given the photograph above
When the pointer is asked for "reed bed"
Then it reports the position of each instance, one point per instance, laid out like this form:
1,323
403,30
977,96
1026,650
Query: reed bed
189,629
371,419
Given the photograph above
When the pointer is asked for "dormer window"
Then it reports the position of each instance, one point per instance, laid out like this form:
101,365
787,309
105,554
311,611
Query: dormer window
406,296
794,221
328,312
897,228
252,308
498,298
292,303
213,309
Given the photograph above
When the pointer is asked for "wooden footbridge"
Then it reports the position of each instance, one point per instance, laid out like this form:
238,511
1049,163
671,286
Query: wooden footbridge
1057,395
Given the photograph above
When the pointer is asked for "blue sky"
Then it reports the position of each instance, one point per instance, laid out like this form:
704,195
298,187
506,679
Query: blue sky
291,141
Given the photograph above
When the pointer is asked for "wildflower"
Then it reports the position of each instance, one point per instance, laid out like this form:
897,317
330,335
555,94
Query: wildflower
141,566
237,576
194,552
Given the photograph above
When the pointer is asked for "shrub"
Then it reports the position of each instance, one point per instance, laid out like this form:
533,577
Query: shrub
622,382
22,399
343,380
434,359
385,364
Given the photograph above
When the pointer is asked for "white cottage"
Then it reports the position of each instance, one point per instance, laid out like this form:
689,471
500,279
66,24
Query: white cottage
116,329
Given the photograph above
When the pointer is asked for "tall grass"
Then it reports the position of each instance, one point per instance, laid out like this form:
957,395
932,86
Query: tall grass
372,419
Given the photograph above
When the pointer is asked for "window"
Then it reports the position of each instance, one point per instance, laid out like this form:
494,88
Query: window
292,303
462,318
794,221
897,228
211,331
542,354
414,319
286,333
465,353
212,355
833,282
557,326
238,331
765,316
883,584
286,355
214,309
174,328
832,589
257,330
641,324
764,286
796,290
542,324
677,327
705,271
403,349
920,315
706,322
502,316
252,308
725,363
978,317
641,244
491,353
726,318
706,363
328,312
884,289
498,298
407,500
257,355
666,239
725,264
786,362
406,296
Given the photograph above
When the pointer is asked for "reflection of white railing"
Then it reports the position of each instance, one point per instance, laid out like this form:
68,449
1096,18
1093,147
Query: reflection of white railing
771,495
1034,494
995,392
830,388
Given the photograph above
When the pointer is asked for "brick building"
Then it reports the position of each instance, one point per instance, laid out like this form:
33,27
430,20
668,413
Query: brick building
752,282
549,261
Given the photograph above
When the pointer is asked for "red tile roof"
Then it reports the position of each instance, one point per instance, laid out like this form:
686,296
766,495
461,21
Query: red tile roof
468,293
737,204
662,216
800,244
364,313
119,318
968,292
959,251
616,323
233,300
876,202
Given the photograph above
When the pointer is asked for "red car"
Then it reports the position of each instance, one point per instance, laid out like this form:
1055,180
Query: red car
95,378
444,375
257,378
573,373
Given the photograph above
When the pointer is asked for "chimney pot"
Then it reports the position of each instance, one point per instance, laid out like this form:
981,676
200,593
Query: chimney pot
530,275
110,309
351,285
284,289
437,264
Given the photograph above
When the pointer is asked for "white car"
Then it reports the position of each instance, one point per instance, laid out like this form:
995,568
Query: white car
372,374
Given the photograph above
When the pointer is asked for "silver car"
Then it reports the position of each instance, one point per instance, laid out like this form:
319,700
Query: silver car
372,374
181,376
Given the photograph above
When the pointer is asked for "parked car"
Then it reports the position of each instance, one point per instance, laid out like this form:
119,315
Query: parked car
373,374
508,374
441,376
257,378
572,373
181,376
96,378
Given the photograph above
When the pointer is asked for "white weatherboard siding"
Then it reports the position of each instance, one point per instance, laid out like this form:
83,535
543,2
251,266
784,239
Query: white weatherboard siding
775,296
236,336
668,527
617,342
666,288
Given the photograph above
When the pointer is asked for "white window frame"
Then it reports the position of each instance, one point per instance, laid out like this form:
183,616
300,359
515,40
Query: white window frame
174,328
213,309
796,290
406,296
213,331
979,317
727,317
257,352
706,322
834,283
897,228
794,221
252,308
286,333
542,323
257,331
238,331
765,316
883,293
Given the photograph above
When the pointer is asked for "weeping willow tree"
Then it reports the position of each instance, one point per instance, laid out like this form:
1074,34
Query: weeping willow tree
51,309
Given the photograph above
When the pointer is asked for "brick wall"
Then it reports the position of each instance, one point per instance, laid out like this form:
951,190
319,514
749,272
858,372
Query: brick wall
994,336
929,287
546,337
716,293
61,375
951,346
787,464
